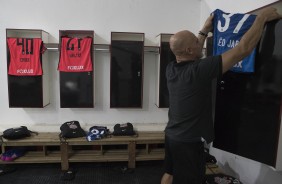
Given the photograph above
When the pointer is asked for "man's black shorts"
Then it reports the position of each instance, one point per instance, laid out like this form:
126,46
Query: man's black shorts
185,161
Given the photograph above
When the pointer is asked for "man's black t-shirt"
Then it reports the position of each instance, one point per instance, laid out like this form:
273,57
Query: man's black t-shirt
190,97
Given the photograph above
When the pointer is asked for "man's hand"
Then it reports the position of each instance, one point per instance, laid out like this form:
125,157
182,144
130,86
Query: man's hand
250,39
208,26
269,14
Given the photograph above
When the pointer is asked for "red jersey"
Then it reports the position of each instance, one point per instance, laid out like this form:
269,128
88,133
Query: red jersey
25,56
75,54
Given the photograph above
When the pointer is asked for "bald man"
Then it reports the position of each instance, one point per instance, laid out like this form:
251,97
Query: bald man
189,84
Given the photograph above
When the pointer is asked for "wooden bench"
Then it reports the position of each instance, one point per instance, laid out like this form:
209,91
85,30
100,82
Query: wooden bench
145,146
48,148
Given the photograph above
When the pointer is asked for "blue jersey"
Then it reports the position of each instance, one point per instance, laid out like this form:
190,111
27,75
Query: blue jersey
228,30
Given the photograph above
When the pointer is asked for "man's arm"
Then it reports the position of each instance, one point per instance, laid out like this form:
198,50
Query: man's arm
249,40
208,26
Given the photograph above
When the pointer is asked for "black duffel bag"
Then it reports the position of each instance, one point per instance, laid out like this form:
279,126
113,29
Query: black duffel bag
71,129
17,133
123,129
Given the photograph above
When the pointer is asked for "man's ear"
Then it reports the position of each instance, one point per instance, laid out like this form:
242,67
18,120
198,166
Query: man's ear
189,51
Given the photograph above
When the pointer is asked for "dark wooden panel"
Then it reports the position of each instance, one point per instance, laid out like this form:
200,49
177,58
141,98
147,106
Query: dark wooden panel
166,56
76,89
209,50
126,73
248,106
25,91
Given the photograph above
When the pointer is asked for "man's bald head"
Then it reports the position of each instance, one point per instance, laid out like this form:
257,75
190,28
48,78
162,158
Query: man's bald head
181,42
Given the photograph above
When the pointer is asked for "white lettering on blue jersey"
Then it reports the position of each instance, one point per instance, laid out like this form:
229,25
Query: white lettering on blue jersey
228,31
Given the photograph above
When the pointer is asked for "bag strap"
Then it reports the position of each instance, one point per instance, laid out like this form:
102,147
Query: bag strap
62,139
33,132
135,135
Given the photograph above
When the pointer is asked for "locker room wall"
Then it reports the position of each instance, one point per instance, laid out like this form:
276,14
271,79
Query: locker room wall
102,16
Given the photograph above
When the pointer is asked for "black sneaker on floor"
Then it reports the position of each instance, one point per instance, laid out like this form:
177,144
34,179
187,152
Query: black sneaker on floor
6,170
67,175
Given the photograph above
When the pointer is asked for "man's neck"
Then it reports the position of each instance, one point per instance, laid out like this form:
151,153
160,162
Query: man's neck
184,59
